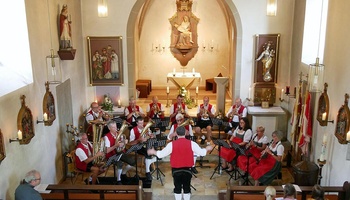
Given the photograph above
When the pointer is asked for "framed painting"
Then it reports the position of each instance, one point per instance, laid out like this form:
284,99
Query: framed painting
105,60
343,121
25,122
49,106
2,147
266,58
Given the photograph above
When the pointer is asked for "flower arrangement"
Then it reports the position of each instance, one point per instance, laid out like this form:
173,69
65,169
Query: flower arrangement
107,104
187,98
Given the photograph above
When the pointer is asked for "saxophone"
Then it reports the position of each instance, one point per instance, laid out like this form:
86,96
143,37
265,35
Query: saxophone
98,143
122,137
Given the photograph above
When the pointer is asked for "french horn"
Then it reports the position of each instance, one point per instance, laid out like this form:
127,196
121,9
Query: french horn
121,136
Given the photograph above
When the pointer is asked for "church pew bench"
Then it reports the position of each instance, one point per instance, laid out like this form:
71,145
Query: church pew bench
256,192
64,191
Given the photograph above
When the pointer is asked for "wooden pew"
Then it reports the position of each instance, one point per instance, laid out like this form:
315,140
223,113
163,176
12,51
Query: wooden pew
257,192
125,192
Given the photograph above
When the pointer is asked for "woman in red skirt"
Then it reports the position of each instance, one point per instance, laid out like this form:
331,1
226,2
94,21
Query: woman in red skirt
241,136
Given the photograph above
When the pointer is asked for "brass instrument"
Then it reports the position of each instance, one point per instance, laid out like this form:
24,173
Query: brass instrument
205,114
231,114
187,122
135,112
156,109
144,131
122,137
180,109
98,143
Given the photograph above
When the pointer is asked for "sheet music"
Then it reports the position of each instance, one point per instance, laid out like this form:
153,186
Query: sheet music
41,188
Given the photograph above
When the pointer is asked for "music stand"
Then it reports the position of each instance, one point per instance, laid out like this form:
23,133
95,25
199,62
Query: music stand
219,123
135,148
220,143
153,142
246,174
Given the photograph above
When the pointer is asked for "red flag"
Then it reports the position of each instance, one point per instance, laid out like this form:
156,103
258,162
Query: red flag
306,128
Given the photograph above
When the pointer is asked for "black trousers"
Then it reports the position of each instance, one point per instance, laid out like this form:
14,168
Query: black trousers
182,180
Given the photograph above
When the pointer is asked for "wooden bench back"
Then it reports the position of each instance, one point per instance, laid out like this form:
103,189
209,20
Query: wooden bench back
124,192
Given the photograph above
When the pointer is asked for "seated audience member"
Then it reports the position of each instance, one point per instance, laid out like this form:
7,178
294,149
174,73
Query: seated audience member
241,137
155,110
256,145
270,193
112,145
317,193
136,137
205,113
188,132
269,164
26,189
133,111
178,108
234,114
84,158
181,151
289,192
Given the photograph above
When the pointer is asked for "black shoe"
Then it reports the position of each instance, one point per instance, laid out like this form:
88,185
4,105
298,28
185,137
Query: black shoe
194,170
119,183
202,141
124,178
86,181
148,176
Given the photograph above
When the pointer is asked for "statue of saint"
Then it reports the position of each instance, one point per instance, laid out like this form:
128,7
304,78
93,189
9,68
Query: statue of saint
267,57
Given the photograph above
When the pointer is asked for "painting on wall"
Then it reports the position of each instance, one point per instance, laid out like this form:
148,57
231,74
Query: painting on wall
2,147
343,122
49,106
25,122
266,58
105,60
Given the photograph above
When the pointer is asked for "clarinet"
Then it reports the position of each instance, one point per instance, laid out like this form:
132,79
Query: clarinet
264,152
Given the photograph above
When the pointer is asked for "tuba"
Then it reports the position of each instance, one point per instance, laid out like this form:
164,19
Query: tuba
98,143
122,137
145,129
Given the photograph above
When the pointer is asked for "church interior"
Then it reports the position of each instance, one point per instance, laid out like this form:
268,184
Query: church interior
287,65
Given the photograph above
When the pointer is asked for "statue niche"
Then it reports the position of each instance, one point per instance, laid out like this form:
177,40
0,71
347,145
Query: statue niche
184,23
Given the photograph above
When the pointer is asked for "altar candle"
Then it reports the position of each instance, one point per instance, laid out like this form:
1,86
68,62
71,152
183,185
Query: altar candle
348,136
250,89
119,102
324,141
197,90
167,90
324,115
174,71
20,136
192,70
45,117
322,157
282,93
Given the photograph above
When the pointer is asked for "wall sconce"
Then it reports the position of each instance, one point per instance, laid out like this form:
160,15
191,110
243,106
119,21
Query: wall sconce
45,119
19,137
271,8
316,73
158,48
210,46
102,8
54,75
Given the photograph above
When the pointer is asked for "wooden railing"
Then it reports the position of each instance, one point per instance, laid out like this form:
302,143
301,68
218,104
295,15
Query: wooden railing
257,192
125,192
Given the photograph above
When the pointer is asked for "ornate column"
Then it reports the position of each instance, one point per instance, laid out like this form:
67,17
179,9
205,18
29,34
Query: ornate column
221,83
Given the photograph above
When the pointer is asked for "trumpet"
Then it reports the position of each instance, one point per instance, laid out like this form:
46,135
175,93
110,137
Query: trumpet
135,112
231,114
180,109
156,109
121,136
205,114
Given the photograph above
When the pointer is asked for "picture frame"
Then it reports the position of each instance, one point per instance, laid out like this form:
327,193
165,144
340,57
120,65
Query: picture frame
49,106
2,147
105,60
323,107
266,58
343,121
25,122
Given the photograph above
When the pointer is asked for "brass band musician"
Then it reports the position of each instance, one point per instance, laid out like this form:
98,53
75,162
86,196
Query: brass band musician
111,144
178,107
136,137
234,114
84,158
155,110
204,114
96,113
188,132
133,111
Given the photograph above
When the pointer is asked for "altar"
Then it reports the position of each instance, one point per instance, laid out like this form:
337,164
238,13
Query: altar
184,79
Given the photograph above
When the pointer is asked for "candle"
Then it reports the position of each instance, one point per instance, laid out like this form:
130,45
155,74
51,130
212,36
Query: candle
197,90
250,89
20,136
119,102
95,100
324,115
324,141
321,157
167,90
348,136
192,70
174,71
282,93
45,117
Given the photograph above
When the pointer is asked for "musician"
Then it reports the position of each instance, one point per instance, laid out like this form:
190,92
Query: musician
181,151
111,144
241,137
178,107
84,158
204,114
133,111
135,138
257,144
188,132
234,114
155,110
270,161
96,113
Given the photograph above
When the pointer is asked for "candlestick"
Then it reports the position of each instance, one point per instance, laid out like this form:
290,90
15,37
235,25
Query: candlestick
193,70
167,90
282,93
250,89
19,135
324,115
167,100
45,117
197,90
287,90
